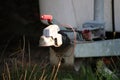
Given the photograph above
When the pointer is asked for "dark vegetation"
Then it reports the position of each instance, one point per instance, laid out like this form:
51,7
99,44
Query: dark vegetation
20,18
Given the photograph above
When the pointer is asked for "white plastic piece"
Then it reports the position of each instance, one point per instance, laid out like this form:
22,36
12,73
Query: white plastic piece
46,41
51,30
51,37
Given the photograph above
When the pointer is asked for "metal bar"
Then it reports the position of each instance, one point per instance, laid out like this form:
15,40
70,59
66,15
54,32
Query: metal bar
99,10
98,49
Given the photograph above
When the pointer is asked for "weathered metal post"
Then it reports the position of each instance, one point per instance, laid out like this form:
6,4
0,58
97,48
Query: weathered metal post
99,10
97,26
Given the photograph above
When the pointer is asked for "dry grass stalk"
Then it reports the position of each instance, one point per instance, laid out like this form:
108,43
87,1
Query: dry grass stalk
25,74
8,71
45,78
58,66
23,50
3,75
29,53
113,63
118,58
53,71
34,78
32,71
14,53
21,77
16,67
42,76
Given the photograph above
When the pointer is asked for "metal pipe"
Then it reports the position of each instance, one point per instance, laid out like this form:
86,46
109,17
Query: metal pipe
113,19
99,10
